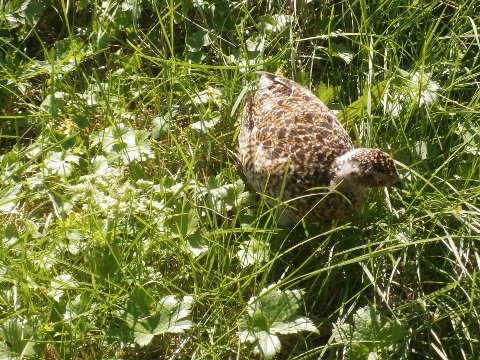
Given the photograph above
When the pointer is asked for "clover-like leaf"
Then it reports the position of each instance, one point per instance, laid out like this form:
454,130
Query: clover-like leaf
253,251
171,316
342,52
182,223
275,23
266,344
125,143
370,332
203,125
221,197
294,325
138,146
60,284
273,312
61,163
196,243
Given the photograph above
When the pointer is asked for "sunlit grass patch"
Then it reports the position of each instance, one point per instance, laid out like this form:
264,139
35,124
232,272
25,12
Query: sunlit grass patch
127,229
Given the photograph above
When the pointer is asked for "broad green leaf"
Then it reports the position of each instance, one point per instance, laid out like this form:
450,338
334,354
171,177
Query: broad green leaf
53,103
161,126
370,333
59,285
171,316
182,223
255,45
197,41
61,163
276,305
17,334
253,251
5,353
273,312
10,235
471,137
21,13
203,125
294,325
125,143
9,198
11,330
223,197
209,95
357,110
267,344
142,335
138,303
196,244
275,23
423,88
62,203
138,146
327,93
408,90
425,150
342,52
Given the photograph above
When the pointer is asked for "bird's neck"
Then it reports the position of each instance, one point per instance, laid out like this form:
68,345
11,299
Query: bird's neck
345,170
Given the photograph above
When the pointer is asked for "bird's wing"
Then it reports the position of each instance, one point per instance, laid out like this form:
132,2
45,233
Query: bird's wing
291,127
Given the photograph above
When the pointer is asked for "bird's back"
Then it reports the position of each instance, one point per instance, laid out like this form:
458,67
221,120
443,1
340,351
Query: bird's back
285,125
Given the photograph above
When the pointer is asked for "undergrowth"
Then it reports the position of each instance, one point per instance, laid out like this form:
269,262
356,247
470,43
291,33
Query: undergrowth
128,230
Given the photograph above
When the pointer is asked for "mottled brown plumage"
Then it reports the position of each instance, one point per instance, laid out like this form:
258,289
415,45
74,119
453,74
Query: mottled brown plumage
292,147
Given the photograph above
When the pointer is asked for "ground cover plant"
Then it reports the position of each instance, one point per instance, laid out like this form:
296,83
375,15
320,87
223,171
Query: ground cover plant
127,230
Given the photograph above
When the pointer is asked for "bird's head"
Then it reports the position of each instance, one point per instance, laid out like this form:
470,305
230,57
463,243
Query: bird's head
366,168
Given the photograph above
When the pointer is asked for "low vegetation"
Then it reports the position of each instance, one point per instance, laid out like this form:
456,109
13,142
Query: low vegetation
127,230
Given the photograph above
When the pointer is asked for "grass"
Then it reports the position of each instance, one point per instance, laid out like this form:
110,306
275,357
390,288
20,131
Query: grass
128,231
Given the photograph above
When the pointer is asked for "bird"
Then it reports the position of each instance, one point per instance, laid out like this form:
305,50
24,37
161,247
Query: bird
292,148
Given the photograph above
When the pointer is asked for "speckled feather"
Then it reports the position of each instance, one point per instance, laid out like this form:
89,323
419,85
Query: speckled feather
292,146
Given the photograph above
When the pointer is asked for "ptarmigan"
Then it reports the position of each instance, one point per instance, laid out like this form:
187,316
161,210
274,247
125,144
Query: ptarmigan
293,148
